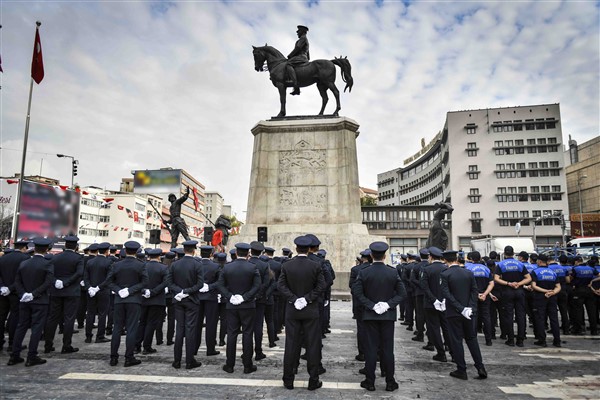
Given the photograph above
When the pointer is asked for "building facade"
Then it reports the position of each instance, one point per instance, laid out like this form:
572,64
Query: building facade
501,168
214,206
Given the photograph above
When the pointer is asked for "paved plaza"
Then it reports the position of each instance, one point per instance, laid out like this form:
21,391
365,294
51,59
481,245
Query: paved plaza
571,372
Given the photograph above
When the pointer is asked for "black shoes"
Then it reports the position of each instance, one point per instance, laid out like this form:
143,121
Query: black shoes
441,357
213,353
34,361
418,338
288,385
541,343
88,339
391,386
519,342
488,342
114,361
272,344
221,343
362,371
250,369
367,385
556,344
481,373
170,343
102,340
14,360
459,374
360,357
409,328
228,369
428,347
49,349
510,343
312,385
321,370
176,364
193,364
260,356
69,349
149,350
131,362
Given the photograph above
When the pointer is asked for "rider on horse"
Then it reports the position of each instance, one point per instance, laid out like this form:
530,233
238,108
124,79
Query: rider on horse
298,56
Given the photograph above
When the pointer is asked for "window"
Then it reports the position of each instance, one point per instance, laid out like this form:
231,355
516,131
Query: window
507,127
523,193
498,143
519,142
104,218
471,130
476,222
540,125
497,128
529,126
535,190
518,125
553,164
473,172
544,164
503,218
471,145
524,216
474,195
551,140
140,207
550,123
472,153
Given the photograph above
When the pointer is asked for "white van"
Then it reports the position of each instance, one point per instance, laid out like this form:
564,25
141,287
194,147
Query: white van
586,246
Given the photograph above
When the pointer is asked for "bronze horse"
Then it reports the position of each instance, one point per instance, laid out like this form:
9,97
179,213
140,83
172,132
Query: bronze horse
321,72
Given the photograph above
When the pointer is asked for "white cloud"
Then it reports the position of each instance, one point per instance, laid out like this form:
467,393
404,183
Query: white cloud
144,85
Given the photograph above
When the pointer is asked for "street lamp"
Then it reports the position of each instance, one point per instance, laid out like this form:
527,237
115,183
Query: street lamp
579,179
74,163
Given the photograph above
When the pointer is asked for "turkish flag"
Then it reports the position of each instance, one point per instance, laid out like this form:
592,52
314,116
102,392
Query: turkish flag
63,187
120,207
136,217
37,63
12,181
108,199
196,202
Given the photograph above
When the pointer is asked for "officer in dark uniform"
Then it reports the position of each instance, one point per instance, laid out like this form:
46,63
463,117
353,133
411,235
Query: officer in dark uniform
208,306
545,286
64,295
32,281
460,291
256,249
111,305
272,312
185,279
432,302
357,307
127,278
484,278
89,254
153,302
168,260
312,255
380,290
222,260
325,321
407,308
415,275
512,275
301,282
9,300
584,296
239,282
98,293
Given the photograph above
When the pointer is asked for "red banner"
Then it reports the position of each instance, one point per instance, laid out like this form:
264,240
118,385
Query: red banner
37,63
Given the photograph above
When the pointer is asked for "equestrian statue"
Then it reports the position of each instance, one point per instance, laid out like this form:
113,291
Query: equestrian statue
298,71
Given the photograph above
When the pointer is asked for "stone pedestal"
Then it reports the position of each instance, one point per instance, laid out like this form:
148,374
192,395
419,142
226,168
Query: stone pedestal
304,179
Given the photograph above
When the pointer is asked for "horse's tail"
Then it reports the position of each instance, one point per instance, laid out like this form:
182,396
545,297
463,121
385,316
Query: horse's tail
346,68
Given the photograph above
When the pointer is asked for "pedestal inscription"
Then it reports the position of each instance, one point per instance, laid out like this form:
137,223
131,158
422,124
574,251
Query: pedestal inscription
312,198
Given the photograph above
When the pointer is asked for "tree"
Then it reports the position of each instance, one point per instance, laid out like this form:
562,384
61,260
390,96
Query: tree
368,201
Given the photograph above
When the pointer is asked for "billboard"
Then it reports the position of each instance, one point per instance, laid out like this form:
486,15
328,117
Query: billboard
46,210
157,181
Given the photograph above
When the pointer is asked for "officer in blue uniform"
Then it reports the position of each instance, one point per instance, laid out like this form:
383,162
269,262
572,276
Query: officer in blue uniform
98,293
380,290
185,279
208,306
239,283
127,278
153,302
415,274
512,275
546,287
64,295
32,281
484,279
9,301
256,249
434,316
407,308
357,307
460,290
327,275
584,296
562,298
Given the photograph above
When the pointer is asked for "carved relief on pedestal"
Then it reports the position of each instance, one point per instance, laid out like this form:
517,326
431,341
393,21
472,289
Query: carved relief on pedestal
312,198
302,166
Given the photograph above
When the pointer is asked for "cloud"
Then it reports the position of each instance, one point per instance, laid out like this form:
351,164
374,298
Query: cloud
146,85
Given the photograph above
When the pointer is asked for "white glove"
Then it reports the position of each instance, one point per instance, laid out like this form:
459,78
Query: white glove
27,297
166,290
467,312
204,288
381,307
218,298
377,308
236,299
437,305
326,303
92,291
4,291
443,305
146,293
124,293
181,296
82,283
240,298
300,303
58,284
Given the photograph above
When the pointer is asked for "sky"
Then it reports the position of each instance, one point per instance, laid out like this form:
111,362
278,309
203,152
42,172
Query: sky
143,85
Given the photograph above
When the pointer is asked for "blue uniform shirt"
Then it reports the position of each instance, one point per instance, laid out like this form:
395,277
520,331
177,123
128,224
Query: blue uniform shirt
561,272
530,267
545,277
511,270
482,275
583,275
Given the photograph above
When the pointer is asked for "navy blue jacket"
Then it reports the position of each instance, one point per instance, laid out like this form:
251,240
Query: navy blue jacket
128,273
35,276
211,275
430,283
239,277
186,275
459,288
96,271
157,282
68,267
379,283
9,264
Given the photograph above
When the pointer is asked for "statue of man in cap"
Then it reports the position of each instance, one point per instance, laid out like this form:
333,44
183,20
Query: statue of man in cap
299,56
177,223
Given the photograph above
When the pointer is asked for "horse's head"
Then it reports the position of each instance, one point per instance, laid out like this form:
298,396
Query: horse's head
259,58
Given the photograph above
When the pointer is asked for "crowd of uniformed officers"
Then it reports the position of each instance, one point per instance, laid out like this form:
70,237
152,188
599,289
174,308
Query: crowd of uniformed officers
445,299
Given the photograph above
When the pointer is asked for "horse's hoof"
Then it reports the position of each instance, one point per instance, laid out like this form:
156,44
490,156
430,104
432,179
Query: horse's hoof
335,114
280,115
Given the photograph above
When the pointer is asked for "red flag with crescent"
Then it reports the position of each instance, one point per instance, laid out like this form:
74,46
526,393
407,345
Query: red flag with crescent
37,63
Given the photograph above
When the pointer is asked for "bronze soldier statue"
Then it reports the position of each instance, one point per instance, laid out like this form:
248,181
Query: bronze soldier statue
177,223
299,56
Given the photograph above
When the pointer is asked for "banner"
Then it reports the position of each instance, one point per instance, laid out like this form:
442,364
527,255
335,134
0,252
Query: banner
157,181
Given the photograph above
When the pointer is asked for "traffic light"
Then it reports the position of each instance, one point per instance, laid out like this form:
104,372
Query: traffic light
75,162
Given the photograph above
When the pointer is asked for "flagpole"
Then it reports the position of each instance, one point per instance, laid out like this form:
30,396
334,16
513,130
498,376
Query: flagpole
17,214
